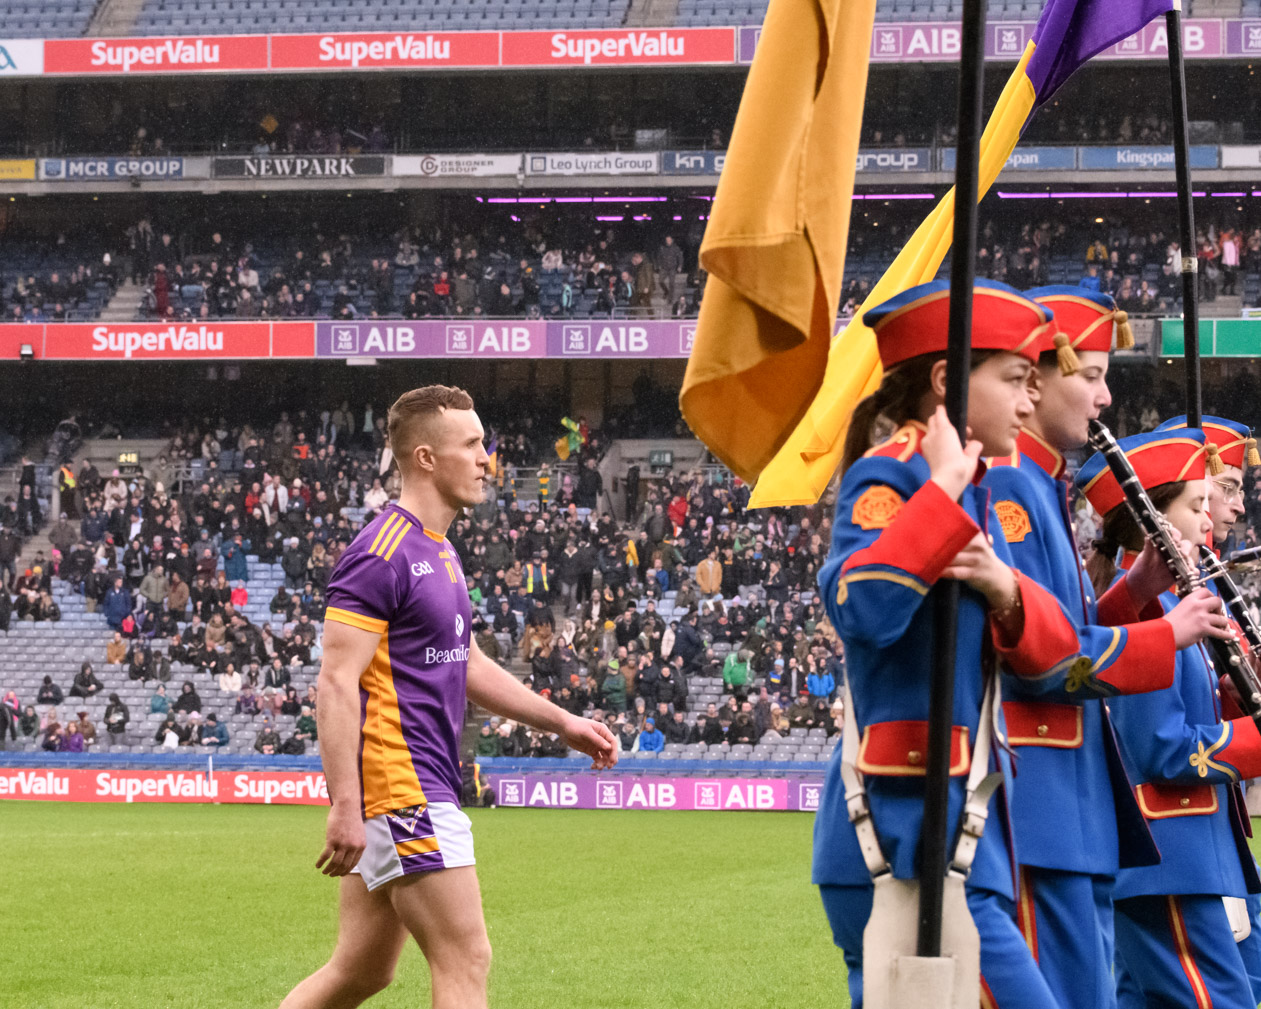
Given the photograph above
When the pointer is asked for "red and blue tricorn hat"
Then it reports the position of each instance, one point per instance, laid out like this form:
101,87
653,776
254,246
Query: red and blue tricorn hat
1158,457
1235,444
916,322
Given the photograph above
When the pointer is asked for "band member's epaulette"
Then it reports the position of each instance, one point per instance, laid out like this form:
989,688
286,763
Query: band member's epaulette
903,444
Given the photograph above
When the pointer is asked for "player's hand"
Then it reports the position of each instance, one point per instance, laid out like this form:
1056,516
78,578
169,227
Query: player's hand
344,841
980,567
1149,576
1200,615
592,738
951,464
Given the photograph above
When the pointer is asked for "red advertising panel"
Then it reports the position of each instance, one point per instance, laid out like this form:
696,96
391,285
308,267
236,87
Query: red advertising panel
381,49
16,335
619,47
293,339
99,785
181,54
157,341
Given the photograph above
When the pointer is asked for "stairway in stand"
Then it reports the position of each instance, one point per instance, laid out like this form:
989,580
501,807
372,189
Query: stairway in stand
125,305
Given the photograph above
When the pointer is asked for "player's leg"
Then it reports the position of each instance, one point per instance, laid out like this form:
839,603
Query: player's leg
1066,918
1250,948
1181,954
848,908
1010,978
443,911
370,937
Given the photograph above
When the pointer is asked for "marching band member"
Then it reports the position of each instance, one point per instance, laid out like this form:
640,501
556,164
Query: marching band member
1074,816
1236,452
1174,943
908,513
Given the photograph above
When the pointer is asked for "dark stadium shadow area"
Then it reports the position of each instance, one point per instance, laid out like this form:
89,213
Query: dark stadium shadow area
150,398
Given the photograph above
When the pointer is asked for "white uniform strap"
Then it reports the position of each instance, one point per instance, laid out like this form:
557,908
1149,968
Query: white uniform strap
856,804
981,784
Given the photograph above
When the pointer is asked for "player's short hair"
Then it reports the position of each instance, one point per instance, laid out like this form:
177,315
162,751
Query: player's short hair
413,411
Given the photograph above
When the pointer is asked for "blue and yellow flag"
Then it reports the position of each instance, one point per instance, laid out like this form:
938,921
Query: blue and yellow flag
1068,34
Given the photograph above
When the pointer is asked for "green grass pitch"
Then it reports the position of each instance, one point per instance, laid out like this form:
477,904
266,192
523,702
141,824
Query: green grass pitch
208,907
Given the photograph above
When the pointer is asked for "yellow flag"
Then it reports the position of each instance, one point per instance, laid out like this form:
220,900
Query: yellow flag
801,470
775,245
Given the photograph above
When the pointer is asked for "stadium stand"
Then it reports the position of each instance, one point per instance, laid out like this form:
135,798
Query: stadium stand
631,274
752,12
39,282
45,18
634,607
171,17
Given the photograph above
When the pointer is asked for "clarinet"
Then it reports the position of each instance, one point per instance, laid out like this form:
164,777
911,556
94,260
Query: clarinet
1219,575
1243,557
1228,653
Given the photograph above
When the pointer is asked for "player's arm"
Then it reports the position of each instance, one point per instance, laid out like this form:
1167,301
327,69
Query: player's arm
497,690
347,652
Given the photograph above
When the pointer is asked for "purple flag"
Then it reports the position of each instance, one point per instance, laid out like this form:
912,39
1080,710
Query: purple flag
1070,32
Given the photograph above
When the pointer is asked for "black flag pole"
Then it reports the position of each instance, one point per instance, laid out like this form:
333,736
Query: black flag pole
1186,215
936,831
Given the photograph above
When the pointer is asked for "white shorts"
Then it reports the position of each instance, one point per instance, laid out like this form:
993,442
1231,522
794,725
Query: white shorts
416,839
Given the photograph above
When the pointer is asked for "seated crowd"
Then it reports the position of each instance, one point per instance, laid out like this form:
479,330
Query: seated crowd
609,617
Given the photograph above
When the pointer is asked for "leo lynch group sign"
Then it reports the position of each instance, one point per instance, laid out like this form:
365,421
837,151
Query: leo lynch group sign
430,338
416,48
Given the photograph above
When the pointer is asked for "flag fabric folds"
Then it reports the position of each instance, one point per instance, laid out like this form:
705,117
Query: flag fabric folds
492,452
778,230
1068,33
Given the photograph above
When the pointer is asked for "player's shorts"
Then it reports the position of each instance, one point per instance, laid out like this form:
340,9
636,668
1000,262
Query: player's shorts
415,839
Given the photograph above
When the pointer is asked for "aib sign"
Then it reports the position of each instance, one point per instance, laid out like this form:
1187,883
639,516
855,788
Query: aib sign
511,792
608,794
346,340
576,339
460,339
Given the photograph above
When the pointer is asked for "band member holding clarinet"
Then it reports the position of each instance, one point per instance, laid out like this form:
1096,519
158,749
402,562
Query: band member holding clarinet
1175,936
1236,453
1074,815
908,514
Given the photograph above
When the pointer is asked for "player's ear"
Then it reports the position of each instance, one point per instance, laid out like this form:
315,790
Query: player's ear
423,458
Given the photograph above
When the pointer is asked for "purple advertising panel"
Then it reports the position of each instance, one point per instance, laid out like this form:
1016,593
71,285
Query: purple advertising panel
635,791
431,338
506,338
931,41
1201,37
1243,38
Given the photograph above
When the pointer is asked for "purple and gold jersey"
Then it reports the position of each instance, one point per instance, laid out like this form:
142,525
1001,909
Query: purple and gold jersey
406,582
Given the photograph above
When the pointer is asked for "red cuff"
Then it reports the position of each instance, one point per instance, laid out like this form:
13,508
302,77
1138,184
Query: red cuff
1047,638
1243,752
927,534
1146,661
1116,606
